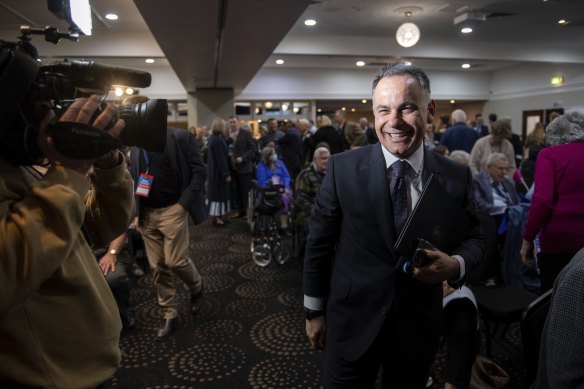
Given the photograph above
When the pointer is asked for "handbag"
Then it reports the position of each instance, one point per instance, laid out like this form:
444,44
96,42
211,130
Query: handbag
488,374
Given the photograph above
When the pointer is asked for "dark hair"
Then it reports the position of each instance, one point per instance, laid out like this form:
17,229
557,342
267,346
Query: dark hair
403,68
492,117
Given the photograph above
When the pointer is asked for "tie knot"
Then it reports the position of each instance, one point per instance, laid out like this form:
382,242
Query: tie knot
399,168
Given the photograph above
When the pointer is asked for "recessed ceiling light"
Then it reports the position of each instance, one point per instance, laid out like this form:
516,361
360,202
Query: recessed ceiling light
360,63
344,108
562,21
452,101
353,109
310,22
466,30
466,66
364,101
319,110
111,17
149,60
280,61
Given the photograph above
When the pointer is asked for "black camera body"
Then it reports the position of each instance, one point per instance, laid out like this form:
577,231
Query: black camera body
28,89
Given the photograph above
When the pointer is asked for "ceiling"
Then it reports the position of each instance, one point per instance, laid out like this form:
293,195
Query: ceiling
217,44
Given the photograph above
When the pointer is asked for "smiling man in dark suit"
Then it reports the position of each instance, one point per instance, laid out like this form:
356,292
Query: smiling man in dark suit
356,294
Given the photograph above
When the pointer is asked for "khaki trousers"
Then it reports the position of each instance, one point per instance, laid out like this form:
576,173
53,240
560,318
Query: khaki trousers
166,238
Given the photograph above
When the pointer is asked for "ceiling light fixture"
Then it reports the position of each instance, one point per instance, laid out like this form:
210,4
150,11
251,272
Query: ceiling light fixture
562,21
364,101
279,61
310,22
149,60
407,35
466,30
268,104
111,17
466,66
452,101
360,63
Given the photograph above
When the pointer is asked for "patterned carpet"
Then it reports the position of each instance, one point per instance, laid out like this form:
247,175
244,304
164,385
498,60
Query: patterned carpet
249,332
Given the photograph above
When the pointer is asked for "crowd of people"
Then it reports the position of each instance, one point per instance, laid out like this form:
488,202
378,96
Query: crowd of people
349,188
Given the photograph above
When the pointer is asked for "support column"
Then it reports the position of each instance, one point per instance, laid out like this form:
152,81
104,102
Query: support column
204,105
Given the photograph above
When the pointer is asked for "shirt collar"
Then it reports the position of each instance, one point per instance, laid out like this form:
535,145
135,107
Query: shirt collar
416,160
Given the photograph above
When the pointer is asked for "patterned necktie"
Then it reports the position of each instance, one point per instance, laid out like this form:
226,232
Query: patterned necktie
399,193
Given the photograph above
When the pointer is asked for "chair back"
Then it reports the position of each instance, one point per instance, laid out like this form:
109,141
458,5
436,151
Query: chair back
488,266
532,323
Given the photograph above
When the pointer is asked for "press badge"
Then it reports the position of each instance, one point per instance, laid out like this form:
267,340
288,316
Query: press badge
144,184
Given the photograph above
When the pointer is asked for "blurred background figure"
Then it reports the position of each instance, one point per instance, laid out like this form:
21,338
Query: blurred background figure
219,175
460,156
557,207
496,142
429,141
326,133
271,171
534,142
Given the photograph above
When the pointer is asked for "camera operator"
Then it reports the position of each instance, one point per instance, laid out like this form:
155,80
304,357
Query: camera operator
59,325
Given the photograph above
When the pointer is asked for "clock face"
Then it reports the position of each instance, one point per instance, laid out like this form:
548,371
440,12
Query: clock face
407,34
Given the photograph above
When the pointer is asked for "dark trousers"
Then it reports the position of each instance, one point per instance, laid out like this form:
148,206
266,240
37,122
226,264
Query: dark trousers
462,341
550,265
119,283
404,365
243,186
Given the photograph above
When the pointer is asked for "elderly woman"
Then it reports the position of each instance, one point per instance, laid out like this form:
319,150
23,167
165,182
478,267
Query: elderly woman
271,171
557,207
496,142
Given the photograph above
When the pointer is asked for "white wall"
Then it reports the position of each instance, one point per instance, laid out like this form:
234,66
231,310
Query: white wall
332,84
527,87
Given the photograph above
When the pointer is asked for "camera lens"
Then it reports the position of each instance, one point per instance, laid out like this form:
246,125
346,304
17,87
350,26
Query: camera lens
145,124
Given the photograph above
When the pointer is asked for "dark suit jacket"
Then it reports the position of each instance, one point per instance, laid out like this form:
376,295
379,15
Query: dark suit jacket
330,136
560,362
186,164
350,259
483,192
246,148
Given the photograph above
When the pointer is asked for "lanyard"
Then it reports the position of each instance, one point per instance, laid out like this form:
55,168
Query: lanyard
146,159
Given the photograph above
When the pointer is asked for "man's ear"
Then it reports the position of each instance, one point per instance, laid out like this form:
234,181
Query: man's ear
431,112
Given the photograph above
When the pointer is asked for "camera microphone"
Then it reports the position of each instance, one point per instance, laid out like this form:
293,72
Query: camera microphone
92,75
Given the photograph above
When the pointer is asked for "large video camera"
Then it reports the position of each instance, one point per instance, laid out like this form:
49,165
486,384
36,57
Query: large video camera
29,89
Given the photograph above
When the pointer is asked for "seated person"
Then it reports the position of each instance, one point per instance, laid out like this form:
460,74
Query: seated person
493,193
307,186
461,335
271,171
115,262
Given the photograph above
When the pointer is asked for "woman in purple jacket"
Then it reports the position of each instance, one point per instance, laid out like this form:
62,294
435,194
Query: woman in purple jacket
557,208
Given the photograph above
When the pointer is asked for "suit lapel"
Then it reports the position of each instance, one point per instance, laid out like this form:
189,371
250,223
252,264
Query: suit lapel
431,166
378,191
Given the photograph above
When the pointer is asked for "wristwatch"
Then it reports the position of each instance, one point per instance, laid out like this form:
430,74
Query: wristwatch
310,314
113,252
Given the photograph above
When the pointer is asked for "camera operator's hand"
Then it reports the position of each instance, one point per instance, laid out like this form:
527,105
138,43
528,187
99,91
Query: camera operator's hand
81,111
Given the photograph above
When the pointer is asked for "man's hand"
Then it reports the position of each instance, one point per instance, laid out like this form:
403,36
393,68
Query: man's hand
527,253
81,111
107,263
238,160
440,267
315,330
